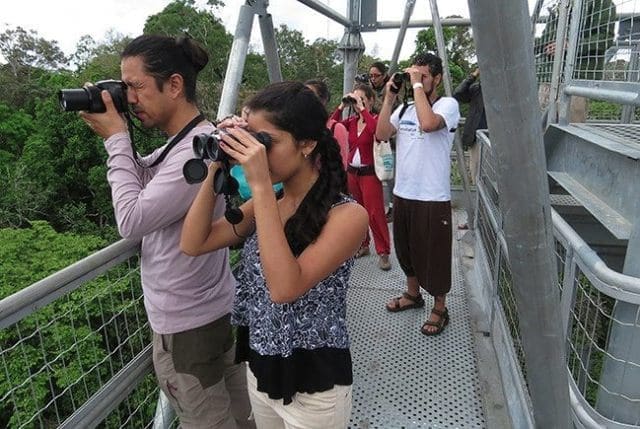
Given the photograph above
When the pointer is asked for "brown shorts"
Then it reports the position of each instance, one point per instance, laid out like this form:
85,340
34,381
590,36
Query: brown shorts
422,240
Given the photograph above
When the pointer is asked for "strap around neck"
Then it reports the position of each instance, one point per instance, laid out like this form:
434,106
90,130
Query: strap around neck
183,132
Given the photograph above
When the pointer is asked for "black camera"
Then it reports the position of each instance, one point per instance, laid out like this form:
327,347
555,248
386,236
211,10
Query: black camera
399,79
89,98
362,78
207,146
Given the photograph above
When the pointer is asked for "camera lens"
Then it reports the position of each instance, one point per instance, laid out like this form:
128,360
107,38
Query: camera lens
88,99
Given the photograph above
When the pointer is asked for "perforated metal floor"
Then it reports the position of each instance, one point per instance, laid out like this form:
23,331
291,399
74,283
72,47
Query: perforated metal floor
403,379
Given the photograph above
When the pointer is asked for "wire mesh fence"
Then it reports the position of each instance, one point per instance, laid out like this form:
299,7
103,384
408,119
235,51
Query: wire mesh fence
595,312
597,365
586,342
544,48
55,359
602,39
137,410
489,222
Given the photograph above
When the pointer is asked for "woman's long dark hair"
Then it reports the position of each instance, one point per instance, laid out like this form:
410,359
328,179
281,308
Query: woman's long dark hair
294,108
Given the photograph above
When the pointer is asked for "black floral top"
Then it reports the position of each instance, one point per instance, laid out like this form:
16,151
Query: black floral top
301,346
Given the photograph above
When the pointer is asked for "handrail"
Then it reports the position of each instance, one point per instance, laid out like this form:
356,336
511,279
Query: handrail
19,305
105,400
627,287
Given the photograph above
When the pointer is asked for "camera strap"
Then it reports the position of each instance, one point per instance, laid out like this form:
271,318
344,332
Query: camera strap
175,140
406,105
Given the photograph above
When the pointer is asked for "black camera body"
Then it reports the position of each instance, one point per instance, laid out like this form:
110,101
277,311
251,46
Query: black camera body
90,100
207,146
362,78
399,79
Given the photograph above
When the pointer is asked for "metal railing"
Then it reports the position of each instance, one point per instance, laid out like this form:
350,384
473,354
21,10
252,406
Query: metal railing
590,291
75,347
598,63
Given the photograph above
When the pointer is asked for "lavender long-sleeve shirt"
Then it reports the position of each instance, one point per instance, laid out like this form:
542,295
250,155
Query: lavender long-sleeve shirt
180,292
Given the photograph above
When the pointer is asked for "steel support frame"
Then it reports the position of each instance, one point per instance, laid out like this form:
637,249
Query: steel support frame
239,49
457,141
351,46
563,98
506,60
408,11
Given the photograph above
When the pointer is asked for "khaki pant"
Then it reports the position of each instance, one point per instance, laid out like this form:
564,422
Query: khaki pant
322,410
196,370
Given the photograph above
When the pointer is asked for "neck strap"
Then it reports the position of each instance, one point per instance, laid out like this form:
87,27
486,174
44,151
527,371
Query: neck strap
183,132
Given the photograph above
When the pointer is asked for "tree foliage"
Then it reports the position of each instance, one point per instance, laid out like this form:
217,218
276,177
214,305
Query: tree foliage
68,358
182,18
458,45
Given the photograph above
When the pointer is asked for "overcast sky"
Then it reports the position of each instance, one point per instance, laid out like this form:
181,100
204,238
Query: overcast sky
67,20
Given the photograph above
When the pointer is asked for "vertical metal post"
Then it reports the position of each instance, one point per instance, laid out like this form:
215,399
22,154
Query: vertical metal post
564,100
237,57
164,413
627,114
442,50
535,15
457,141
352,46
620,371
558,58
504,47
408,11
270,48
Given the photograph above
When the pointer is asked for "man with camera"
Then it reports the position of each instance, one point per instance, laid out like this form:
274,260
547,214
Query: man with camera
422,193
188,299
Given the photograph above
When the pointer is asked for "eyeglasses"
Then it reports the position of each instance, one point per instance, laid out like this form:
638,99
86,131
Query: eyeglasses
373,75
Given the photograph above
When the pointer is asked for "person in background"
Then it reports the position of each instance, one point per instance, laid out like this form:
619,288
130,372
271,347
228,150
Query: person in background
320,88
422,194
188,299
363,184
470,91
290,305
379,76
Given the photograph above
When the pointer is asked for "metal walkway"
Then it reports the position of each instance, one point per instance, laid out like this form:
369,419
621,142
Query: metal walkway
403,379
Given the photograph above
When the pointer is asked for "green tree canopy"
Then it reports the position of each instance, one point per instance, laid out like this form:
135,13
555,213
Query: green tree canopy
182,17
458,45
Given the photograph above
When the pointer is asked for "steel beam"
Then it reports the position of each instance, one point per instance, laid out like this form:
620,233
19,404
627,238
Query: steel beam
502,32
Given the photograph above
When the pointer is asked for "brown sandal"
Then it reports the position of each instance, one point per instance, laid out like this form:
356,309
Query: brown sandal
417,302
440,324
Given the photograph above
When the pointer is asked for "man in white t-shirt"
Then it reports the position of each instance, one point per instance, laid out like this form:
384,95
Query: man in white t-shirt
422,194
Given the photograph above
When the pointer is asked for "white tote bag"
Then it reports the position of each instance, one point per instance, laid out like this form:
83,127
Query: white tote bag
383,160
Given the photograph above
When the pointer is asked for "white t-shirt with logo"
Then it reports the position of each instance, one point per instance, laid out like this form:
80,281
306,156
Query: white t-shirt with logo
423,163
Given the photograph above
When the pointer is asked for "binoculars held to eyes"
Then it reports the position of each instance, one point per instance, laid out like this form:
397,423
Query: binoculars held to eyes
207,146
